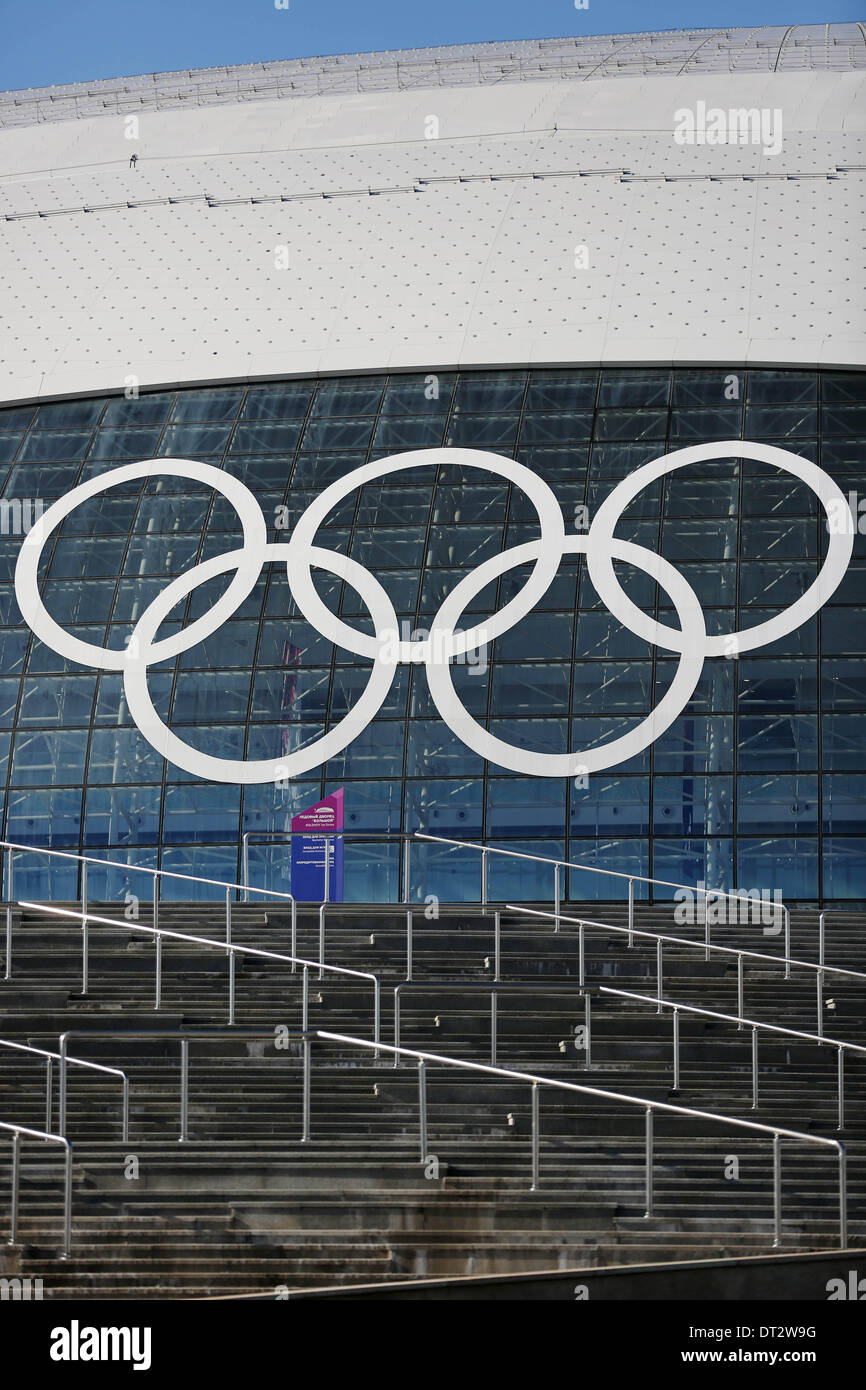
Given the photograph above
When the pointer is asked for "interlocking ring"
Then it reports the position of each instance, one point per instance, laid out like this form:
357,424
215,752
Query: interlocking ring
300,555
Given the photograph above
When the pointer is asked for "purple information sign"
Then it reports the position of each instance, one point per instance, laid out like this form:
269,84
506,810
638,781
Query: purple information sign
309,831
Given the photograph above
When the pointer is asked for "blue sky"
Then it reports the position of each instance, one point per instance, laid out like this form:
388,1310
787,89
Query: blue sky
50,41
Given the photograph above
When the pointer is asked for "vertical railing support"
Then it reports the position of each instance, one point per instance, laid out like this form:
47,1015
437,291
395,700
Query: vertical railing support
184,1090
16,1174
322,940
158,987
231,988
740,991
84,928
754,1068
497,945
787,912
659,974
228,921
294,935
777,1191
305,1119
676,1085
840,1086
484,878
630,913
649,1163
819,985
48,1089
535,1136
494,1023
305,999
587,1016
8,970
409,943
556,897
422,1108
581,955
407,878
821,938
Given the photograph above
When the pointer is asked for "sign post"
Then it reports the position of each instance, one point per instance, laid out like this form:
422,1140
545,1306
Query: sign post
315,840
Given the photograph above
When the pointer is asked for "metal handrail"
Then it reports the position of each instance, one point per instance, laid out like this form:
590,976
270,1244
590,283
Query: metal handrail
156,874
231,949
739,897
16,1132
649,1107
755,1024
182,1035
52,1057
660,938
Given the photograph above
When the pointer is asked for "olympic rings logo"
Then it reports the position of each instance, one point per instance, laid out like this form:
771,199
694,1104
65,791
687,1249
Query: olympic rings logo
300,555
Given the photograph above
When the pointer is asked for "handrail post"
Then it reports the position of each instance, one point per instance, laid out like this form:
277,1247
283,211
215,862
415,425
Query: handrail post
821,938
84,929
305,1120
322,940
494,1023
158,999
155,901
777,1191
408,943
649,1163
245,865
819,984
840,1083
659,974
231,987
754,1068
48,1070
556,898
8,971
305,999
377,1015
294,933
497,945
787,912
326,893
707,942
843,1199
67,1204
16,1164
184,1090
407,879
676,1085
740,988
125,1119
396,1028
535,1136
581,955
484,878
228,922
587,1015
422,1107
630,913
61,1101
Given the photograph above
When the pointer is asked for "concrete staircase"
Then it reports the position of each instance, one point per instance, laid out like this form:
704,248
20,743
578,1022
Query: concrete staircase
243,1205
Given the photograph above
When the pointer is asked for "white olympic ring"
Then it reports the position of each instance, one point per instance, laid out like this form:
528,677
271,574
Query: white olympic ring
300,554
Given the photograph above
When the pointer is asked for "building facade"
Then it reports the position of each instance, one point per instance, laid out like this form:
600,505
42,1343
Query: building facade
310,365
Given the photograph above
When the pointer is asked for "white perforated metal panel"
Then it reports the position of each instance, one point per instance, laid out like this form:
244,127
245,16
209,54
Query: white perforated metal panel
260,236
